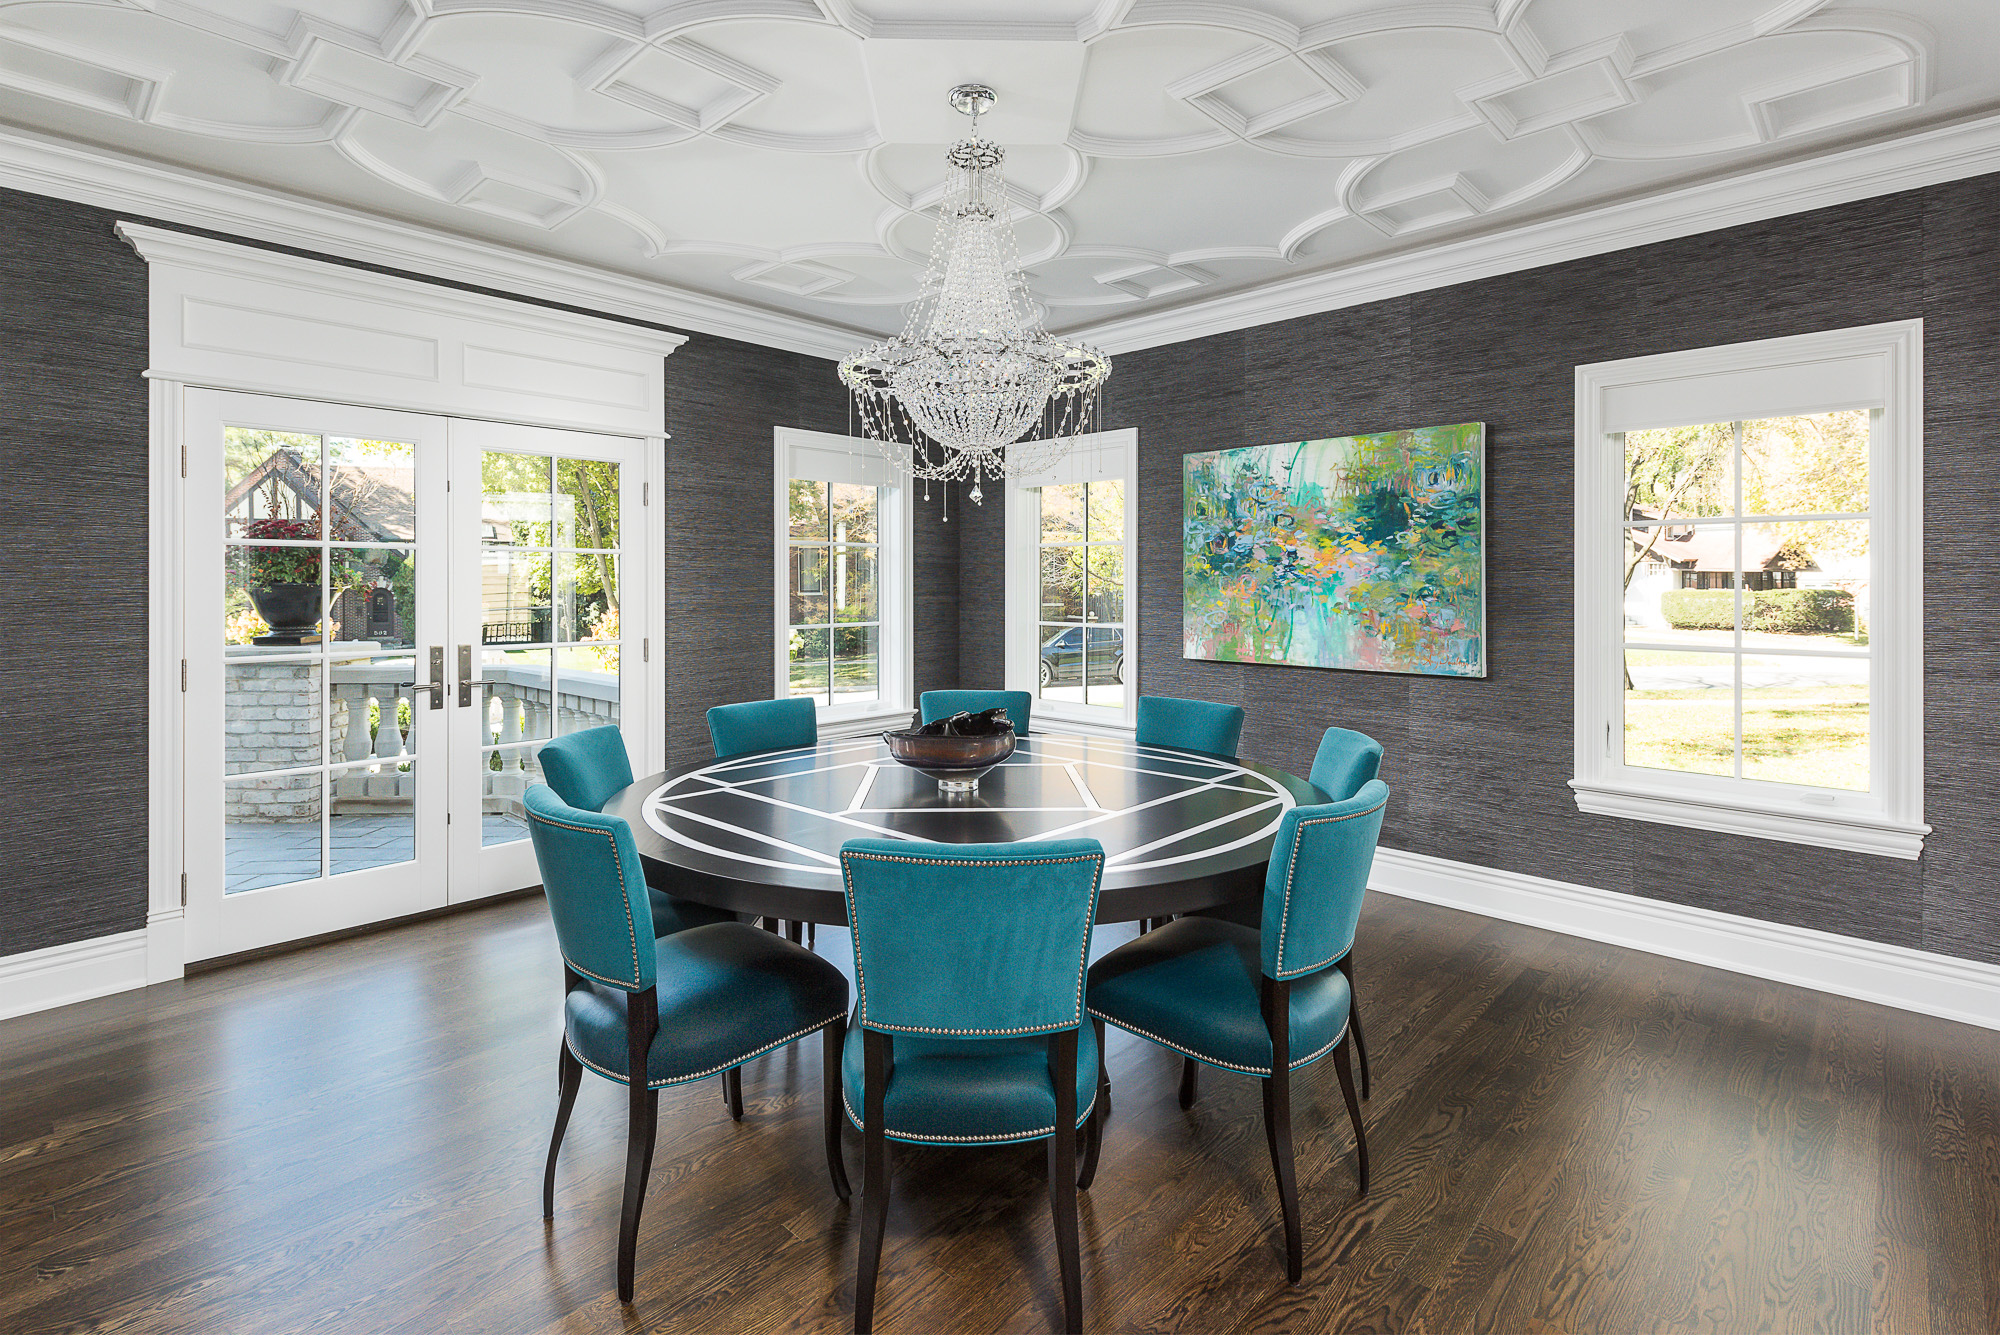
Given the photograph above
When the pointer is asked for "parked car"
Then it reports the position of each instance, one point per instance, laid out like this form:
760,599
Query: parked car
1063,655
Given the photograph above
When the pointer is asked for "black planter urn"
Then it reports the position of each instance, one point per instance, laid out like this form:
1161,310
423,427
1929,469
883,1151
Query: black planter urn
292,611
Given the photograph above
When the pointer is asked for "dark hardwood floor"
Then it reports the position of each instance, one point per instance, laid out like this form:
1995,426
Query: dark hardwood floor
1566,1136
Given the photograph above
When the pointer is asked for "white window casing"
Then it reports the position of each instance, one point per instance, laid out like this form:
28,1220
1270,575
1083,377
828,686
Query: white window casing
818,456
1874,367
1100,457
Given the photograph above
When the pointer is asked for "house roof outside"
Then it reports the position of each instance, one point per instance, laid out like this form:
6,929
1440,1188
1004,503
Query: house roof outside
1713,546
372,503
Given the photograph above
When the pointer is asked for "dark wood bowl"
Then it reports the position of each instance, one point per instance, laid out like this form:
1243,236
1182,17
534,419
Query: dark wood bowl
955,762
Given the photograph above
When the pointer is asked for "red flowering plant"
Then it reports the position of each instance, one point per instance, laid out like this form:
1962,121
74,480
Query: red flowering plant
263,567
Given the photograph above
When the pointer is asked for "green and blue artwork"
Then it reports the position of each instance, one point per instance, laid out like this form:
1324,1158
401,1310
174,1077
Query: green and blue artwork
1362,552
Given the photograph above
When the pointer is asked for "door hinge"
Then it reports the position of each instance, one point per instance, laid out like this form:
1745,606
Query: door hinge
184,889
447,484
184,676
646,650
184,459
447,818
1607,739
645,493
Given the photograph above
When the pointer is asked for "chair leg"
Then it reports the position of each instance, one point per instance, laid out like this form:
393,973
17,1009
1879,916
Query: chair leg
1278,1133
638,1166
732,1091
1345,1070
569,1074
831,1039
1354,1018
1103,1074
874,1178
1093,1145
1189,1075
796,933
1062,1207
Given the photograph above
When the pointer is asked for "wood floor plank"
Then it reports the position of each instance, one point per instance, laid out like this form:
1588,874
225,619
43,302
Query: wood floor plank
1566,1137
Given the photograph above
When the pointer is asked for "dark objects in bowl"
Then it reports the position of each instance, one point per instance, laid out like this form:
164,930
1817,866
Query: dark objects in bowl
985,723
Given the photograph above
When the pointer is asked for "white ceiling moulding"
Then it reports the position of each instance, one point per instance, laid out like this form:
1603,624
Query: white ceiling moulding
45,165
1948,153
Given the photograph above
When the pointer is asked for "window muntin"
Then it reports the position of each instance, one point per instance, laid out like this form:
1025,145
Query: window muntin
1748,656
1080,590
834,622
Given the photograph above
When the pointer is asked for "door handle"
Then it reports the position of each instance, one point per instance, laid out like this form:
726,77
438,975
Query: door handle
436,684
466,685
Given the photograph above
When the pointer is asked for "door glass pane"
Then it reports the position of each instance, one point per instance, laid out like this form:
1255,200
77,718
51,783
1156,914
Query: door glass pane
520,705
269,475
373,488
1681,714
1062,663
586,687
271,715
856,663
809,586
374,820
371,703
514,603
853,513
374,595
509,772
514,509
1814,465
271,830
1106,590
809,651
1062,583
271,595
1805,720
1104,666
806,504
586,503
1062,513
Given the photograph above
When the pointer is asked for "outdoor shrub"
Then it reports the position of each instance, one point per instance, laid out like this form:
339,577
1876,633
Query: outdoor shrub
1779,611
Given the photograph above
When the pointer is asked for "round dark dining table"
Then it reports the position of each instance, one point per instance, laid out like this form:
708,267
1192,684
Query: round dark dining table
761,833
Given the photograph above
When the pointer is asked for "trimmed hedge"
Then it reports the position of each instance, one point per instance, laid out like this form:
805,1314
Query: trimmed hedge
1780,611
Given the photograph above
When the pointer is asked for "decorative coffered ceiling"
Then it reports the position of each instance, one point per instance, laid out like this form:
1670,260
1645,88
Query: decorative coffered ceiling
784,153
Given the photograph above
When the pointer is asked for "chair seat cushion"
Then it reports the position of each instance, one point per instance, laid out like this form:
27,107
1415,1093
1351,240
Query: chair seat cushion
969,1091
727,993
672,914
1193,986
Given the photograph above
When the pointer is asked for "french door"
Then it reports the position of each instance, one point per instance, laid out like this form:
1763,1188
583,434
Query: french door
386,615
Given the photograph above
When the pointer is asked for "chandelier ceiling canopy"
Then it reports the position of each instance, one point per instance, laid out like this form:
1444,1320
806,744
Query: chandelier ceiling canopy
974,387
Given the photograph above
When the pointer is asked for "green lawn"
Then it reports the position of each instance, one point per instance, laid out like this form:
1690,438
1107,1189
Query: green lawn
1819,739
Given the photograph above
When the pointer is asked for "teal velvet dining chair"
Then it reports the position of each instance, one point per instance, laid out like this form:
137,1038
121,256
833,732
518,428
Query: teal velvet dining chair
1345,761
934,705
1234,997
969,1028
763,725
585,769
671,1009
1191,725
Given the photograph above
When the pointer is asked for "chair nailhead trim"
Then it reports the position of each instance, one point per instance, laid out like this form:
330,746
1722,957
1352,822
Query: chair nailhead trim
1212,1061
1291,868
854,930
713,1070
630,931
1038,1134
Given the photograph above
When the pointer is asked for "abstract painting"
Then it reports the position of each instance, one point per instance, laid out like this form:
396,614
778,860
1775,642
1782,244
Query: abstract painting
1360,552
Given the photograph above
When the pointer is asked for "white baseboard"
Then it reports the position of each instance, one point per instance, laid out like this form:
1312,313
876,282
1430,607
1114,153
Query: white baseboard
36,980
1911,980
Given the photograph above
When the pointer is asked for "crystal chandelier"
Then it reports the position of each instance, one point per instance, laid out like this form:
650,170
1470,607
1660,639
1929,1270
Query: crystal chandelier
974,387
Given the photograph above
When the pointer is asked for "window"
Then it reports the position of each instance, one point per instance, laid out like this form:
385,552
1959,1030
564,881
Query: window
842,578
1070,552
1748,590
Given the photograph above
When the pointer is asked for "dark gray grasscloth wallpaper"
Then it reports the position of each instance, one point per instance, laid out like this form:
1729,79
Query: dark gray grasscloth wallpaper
73,558
1480,768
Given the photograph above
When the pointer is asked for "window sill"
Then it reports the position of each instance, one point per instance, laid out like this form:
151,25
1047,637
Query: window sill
1048,720
1853,832
834,727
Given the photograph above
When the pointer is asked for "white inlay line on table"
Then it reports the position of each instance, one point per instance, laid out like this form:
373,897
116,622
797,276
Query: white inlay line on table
1190,832
1082,788
867,782
747,833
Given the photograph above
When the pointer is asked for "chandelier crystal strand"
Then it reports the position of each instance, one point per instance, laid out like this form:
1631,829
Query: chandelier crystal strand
974,387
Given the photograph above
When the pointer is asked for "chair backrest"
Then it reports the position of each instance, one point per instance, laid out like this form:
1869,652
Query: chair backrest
1346,760
1192,725
763,725
1319,872
971,940
586,768
943,704
596,890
